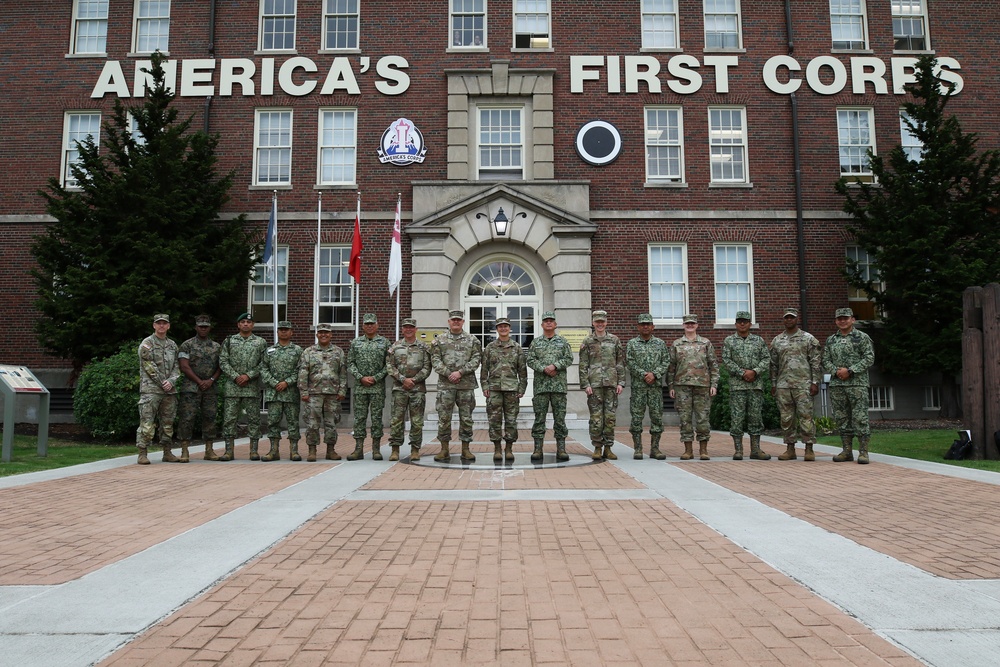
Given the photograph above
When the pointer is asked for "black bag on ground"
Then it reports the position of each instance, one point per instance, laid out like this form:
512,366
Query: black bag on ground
961,448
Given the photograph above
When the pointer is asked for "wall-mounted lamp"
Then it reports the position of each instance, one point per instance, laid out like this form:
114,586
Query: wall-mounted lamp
500,222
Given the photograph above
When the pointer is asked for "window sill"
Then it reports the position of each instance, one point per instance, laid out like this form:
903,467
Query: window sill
103,54
731,185
475,49
338,51
145,54
276,52
547,49
732,49
913,52
853,51
661,49
270,186
665,184
335,186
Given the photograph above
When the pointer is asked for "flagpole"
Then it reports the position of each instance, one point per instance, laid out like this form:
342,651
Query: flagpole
357,291
274,259
319,250
396,229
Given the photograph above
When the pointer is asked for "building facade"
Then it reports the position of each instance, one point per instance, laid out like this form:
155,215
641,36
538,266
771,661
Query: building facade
662,156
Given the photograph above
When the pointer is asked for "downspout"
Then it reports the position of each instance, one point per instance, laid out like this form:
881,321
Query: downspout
800,236
211,52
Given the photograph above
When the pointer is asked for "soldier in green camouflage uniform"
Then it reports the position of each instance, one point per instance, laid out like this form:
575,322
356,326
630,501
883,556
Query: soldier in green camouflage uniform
158,374
602,378
323,385
847,356
198,358
280,373
455,356
366,363
693,376
504,378
647,358
240,362
796,370
549,356
746,357
408,363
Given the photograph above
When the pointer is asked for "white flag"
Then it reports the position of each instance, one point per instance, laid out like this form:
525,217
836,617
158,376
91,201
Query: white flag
395,258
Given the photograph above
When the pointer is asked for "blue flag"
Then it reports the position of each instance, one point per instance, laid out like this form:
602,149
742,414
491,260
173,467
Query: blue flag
272,227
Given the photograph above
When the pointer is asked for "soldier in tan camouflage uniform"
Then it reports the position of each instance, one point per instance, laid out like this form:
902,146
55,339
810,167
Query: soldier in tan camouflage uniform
602,378
746,357
796,370
693,376
198,358
847,356
408,363
646,358
323,385
504,377
366,363
279,372
455,356
158,374
549,356
240,362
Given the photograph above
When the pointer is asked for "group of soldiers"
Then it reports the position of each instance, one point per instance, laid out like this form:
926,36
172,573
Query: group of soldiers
317,378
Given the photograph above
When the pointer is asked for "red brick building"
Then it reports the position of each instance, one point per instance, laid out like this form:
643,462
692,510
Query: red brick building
663,156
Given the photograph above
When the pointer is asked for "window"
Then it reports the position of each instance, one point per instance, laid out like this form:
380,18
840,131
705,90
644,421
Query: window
531,24
908,25
722,24
152,26
659,24
847,24
337,146
277,25
879,399
335,290
90,26
340,24
273,147
855,138
727,142
468,23
664,145
262,289
78,127
733,282
860,301
133,128
932,397
912,146
668,282
500,144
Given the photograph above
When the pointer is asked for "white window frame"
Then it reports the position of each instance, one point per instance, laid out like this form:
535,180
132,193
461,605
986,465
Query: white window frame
271,12
733,281
337,140
467,22
727,145
672,143
73,134
532,24
724,22
908,13
912,147
857,296
260,302
144,25
667,276
342,15
90,24
855,136
270,143
133,128
880,398
848,25
333,279
495,141
932,397
660,24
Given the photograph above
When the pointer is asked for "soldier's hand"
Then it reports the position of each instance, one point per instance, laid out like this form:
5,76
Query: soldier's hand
281,386
589,391
749,375
774,391
813,389
550,370
341,397
712,391
486,393
455,377
305,398
843,373
619,389
368,380
673,394
408,383
649,377
167,386
242,380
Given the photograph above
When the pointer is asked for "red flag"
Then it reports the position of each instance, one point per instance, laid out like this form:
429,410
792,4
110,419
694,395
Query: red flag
354,268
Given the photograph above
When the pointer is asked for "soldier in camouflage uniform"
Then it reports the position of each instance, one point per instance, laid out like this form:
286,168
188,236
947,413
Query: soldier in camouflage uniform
366,362
693,376
199,361
745,356
323,385
408,363
504,377
847,356
549,356
455,356
796,369
602,378
647,358
240,362
280,373
158,375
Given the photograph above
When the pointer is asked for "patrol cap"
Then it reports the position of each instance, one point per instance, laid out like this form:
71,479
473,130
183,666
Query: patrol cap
161,317
600,316
408,322
203,321
743,315
690,318
370,319
549,315
285,324
502,320
791,311
324,327
845,312
456,315
644,318
244,316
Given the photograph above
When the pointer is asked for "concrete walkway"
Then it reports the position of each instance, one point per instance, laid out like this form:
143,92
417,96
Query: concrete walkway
616,563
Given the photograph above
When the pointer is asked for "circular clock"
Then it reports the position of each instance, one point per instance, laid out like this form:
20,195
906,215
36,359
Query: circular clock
598,142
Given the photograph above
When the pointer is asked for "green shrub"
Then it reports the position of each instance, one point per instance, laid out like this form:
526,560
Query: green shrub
107,395
719,415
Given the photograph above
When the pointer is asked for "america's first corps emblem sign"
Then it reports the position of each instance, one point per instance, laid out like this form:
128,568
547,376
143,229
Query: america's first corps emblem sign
402,144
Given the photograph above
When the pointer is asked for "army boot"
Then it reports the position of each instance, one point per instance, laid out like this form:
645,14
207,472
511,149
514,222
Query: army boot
272,454
737,448
789,453
210,454
688,451
536,456
185,457
331,452
508,452
863,449
443,456
755,451
467,455
394,456
637,446
376,448
230,453
497,452
414,453
847,454
143,460
598,454
703,450
359,450
561,454
810,454
654,447
254,454
608,454
293,451
311,456
168,456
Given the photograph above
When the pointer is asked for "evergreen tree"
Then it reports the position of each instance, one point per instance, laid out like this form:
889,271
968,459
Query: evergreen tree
931,228
140,235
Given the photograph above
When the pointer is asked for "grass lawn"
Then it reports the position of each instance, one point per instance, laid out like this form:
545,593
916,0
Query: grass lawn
61,453
924,445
